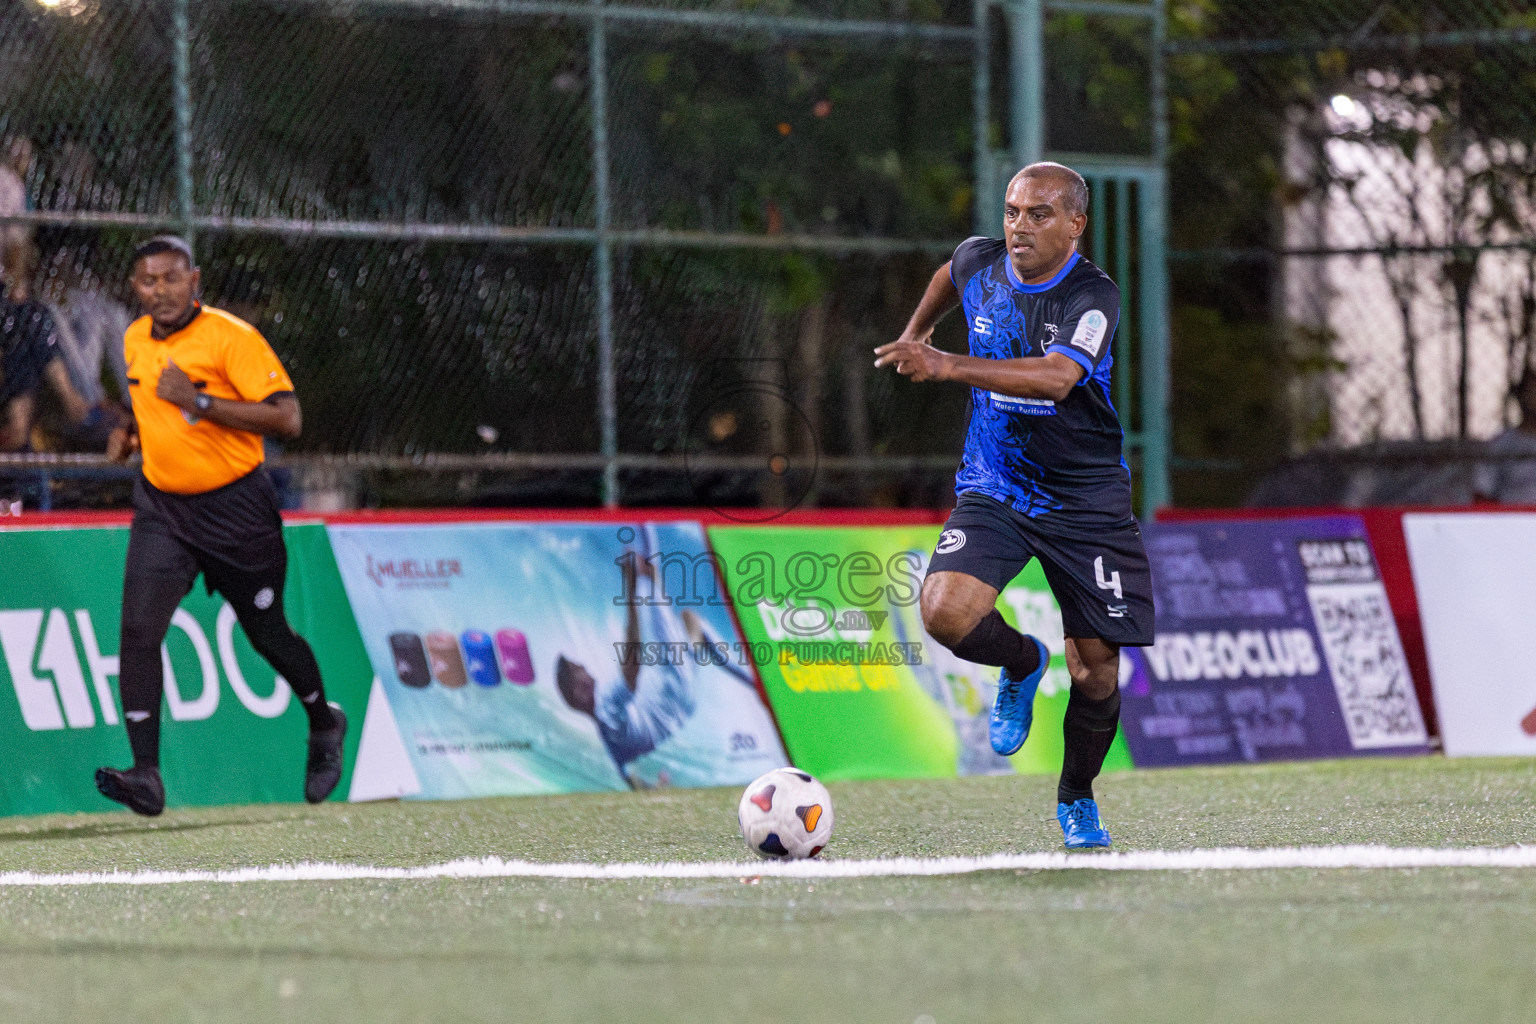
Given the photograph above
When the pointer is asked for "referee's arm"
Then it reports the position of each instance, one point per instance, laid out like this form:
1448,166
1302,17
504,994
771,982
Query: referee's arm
275,416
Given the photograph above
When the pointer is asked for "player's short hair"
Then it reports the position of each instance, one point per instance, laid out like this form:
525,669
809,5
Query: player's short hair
1075,186
164,243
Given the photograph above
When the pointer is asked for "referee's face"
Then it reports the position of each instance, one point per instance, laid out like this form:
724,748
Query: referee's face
166,285
1038,227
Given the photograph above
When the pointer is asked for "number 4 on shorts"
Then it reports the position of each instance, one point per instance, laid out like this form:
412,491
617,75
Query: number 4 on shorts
1111,583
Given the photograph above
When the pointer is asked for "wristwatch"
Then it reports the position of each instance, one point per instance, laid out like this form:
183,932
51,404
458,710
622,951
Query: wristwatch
203,401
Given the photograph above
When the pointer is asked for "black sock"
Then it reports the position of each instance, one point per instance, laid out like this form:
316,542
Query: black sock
141,678
994,642
1088,731
142,688
293,658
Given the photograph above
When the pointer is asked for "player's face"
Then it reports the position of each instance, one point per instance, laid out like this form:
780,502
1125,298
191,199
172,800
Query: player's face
1038,228
165,285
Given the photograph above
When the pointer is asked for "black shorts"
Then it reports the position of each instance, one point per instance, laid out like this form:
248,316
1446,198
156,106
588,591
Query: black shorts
160,561
232,536
1099,576
239,524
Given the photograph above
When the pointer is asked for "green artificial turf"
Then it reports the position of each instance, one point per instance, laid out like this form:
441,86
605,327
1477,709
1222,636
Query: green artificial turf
1293,945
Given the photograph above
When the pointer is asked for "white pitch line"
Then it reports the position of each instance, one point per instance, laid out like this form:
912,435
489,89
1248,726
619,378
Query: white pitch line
1231,859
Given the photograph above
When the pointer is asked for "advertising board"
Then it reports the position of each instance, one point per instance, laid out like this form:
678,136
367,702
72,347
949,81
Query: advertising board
1274,641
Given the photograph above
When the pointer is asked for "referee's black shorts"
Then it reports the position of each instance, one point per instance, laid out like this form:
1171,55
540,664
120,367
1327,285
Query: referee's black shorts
232,536
1099,575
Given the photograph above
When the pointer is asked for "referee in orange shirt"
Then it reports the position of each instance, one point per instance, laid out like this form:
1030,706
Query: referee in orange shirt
206,387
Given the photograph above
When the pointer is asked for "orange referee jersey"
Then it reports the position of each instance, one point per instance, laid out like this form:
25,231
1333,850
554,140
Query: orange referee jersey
227,358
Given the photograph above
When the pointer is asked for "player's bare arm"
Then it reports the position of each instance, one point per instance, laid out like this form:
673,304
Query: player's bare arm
1051,376
16,420
75,407
275,416
939,298
913,347
633,566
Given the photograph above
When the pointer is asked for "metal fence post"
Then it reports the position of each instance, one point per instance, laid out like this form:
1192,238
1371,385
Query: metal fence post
981,96
1127,335
1156,488
181,98
1026,29
607,406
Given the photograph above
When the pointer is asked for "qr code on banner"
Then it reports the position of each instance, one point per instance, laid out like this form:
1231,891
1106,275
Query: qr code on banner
1365,657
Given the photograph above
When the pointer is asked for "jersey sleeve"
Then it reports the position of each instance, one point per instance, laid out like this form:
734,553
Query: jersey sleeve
972,256
253,368
1088,329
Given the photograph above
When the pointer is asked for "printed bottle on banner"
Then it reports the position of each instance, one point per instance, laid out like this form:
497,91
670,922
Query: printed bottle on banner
516,660
410,660
447,663
479,657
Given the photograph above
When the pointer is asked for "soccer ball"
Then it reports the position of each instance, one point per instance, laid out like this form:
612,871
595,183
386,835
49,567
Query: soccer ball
785,815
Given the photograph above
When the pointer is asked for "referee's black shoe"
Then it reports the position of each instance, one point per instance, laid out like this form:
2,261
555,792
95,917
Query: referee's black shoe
323,770
138,789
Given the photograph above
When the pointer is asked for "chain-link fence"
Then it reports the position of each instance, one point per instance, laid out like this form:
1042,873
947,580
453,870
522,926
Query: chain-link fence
525,251
530,251
1354,209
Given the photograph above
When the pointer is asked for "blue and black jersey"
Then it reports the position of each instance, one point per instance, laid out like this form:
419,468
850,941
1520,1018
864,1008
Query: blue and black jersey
1056,462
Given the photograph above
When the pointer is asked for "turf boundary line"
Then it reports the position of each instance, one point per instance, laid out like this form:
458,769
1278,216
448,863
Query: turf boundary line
1227,859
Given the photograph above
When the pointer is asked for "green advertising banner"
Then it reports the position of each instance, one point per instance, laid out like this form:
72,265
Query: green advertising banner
860,691
231,732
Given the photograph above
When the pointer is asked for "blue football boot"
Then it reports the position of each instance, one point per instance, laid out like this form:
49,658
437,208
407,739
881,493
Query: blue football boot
1080,828
1014,709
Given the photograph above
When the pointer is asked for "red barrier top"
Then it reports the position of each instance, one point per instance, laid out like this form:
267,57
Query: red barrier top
709,517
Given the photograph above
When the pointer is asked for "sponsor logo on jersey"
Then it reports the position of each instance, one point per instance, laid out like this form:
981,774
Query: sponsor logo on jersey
1027,406
1052,330
983,325
1090,332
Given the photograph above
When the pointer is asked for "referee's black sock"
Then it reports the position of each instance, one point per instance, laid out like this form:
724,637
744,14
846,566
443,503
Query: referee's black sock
994,642
1088,731
294,660
142,687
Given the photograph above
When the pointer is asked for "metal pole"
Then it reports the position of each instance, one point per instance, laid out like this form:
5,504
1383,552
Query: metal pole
607,410
1098,221
1156,488
1026,31
1126,337
983,221
181,97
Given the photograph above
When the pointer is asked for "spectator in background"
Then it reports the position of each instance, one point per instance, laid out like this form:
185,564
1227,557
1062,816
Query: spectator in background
90,325
29,354
1511,479
15,164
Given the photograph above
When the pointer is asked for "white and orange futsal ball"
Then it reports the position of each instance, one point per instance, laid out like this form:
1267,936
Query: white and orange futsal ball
785,815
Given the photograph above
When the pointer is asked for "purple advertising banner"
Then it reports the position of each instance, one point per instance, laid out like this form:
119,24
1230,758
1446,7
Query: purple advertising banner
1274,641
